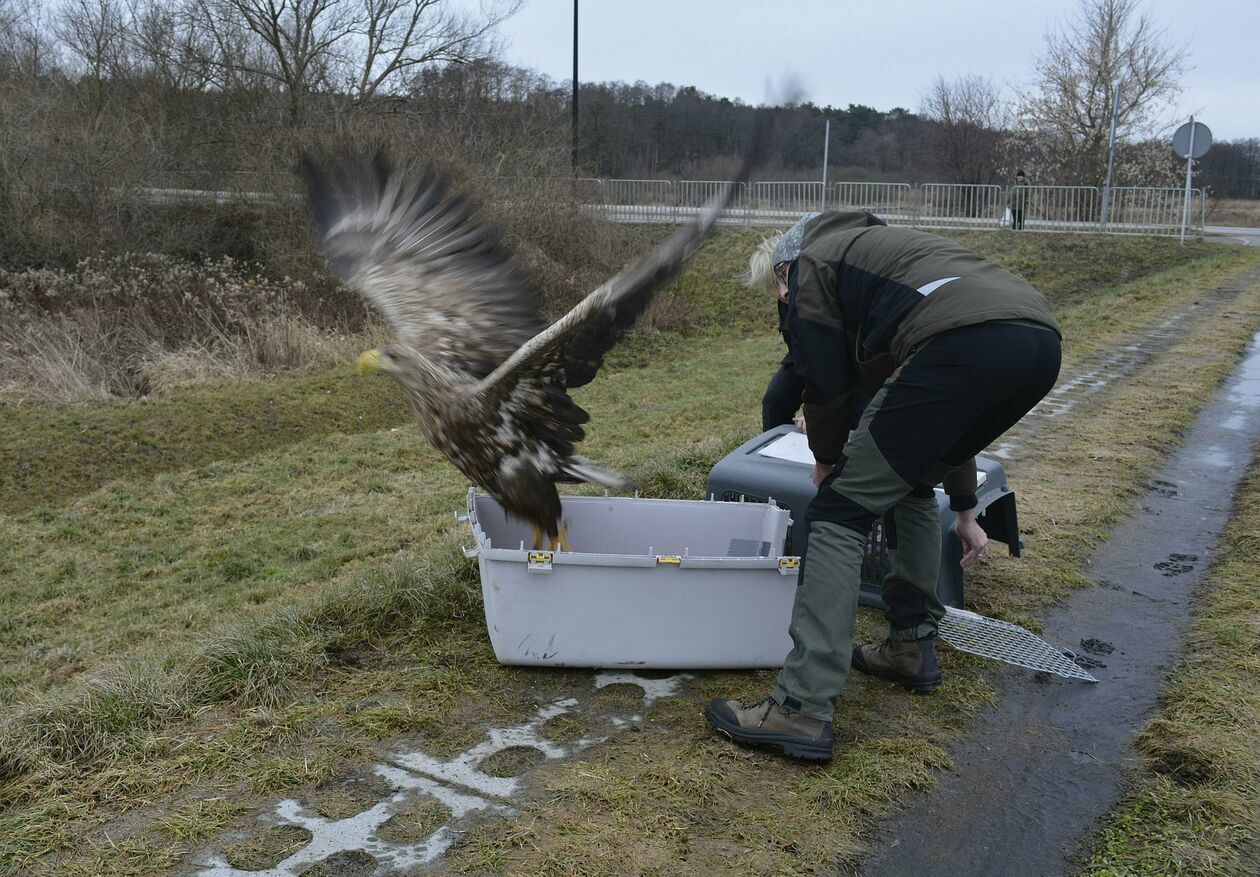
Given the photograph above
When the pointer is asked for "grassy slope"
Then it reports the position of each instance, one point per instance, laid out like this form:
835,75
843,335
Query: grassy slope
228,538
57,452
236,496
1194,810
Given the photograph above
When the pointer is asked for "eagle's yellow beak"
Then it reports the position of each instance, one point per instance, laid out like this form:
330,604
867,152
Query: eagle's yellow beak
369,361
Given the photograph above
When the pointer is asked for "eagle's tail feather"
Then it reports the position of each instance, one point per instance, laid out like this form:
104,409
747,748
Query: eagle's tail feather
587,470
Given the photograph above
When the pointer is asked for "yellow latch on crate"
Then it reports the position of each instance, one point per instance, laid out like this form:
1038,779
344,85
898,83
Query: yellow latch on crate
789,565
669,558
538,561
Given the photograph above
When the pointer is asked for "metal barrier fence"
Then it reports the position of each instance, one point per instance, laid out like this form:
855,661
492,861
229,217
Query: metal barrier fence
893,202
692,194
791,198
958,205
929,205
1154,211
1132,210
639,192
1054,208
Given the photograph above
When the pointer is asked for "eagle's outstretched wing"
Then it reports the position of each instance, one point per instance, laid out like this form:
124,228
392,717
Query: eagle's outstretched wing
442,279
573,348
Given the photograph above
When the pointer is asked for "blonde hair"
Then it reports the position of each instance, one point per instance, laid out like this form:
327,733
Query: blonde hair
760,273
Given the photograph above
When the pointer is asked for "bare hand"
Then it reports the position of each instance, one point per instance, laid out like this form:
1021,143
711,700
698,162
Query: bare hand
975,541
821,471
799,420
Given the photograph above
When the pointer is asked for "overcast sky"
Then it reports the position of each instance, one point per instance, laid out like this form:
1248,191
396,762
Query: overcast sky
881,53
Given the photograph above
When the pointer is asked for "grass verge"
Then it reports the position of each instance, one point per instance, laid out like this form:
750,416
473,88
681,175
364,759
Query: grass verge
1193,810
287,701
56,452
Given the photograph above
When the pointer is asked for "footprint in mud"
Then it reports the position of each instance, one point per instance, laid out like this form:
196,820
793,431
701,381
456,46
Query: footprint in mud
1161,488
1176,564
1097,646
1085,662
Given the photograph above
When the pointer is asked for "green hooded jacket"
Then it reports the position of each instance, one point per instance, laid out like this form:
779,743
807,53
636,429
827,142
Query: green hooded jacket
862,297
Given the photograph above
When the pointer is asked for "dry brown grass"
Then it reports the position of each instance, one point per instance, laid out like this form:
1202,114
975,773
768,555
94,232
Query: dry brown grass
1240,212
137,324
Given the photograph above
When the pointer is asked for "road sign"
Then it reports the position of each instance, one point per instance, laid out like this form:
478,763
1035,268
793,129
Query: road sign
1190,142
1201,141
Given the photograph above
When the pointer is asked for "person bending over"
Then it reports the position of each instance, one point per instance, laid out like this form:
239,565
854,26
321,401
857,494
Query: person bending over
959,350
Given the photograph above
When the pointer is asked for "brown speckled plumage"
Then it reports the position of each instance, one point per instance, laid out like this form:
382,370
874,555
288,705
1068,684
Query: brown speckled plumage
486,381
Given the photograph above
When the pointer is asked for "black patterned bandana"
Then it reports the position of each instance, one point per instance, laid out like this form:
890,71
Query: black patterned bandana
789,246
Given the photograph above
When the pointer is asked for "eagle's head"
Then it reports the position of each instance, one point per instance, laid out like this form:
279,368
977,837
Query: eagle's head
372,361
404,364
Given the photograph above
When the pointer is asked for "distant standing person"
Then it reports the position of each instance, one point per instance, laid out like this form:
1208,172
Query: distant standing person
1017,200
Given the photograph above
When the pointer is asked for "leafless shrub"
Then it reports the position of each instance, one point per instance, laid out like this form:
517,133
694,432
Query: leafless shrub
971,118
158,127
133,325
287,343
566,250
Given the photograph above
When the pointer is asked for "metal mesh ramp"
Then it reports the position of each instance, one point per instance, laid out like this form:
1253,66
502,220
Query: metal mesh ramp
1006,642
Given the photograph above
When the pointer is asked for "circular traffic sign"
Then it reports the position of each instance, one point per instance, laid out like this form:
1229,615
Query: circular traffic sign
1202,140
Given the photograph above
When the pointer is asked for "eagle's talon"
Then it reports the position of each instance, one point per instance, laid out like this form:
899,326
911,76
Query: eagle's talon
561,542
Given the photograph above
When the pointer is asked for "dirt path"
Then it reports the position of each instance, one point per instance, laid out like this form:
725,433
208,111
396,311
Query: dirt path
1039,770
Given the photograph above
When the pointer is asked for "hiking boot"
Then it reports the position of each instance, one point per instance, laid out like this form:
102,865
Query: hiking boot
768,725
909,662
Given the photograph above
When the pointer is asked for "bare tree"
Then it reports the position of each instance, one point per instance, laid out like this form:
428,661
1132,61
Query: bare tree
295,41
970,119
8,39
172,47
96,35
26,40
355,48
1108,41
399,35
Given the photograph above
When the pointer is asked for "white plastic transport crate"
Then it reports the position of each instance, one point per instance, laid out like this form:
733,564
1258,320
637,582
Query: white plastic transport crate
651,583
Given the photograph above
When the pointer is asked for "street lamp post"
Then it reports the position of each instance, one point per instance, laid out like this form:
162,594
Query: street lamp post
575,86
1111,151
826,155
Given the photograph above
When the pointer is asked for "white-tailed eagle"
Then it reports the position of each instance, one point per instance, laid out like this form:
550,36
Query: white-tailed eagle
487,381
